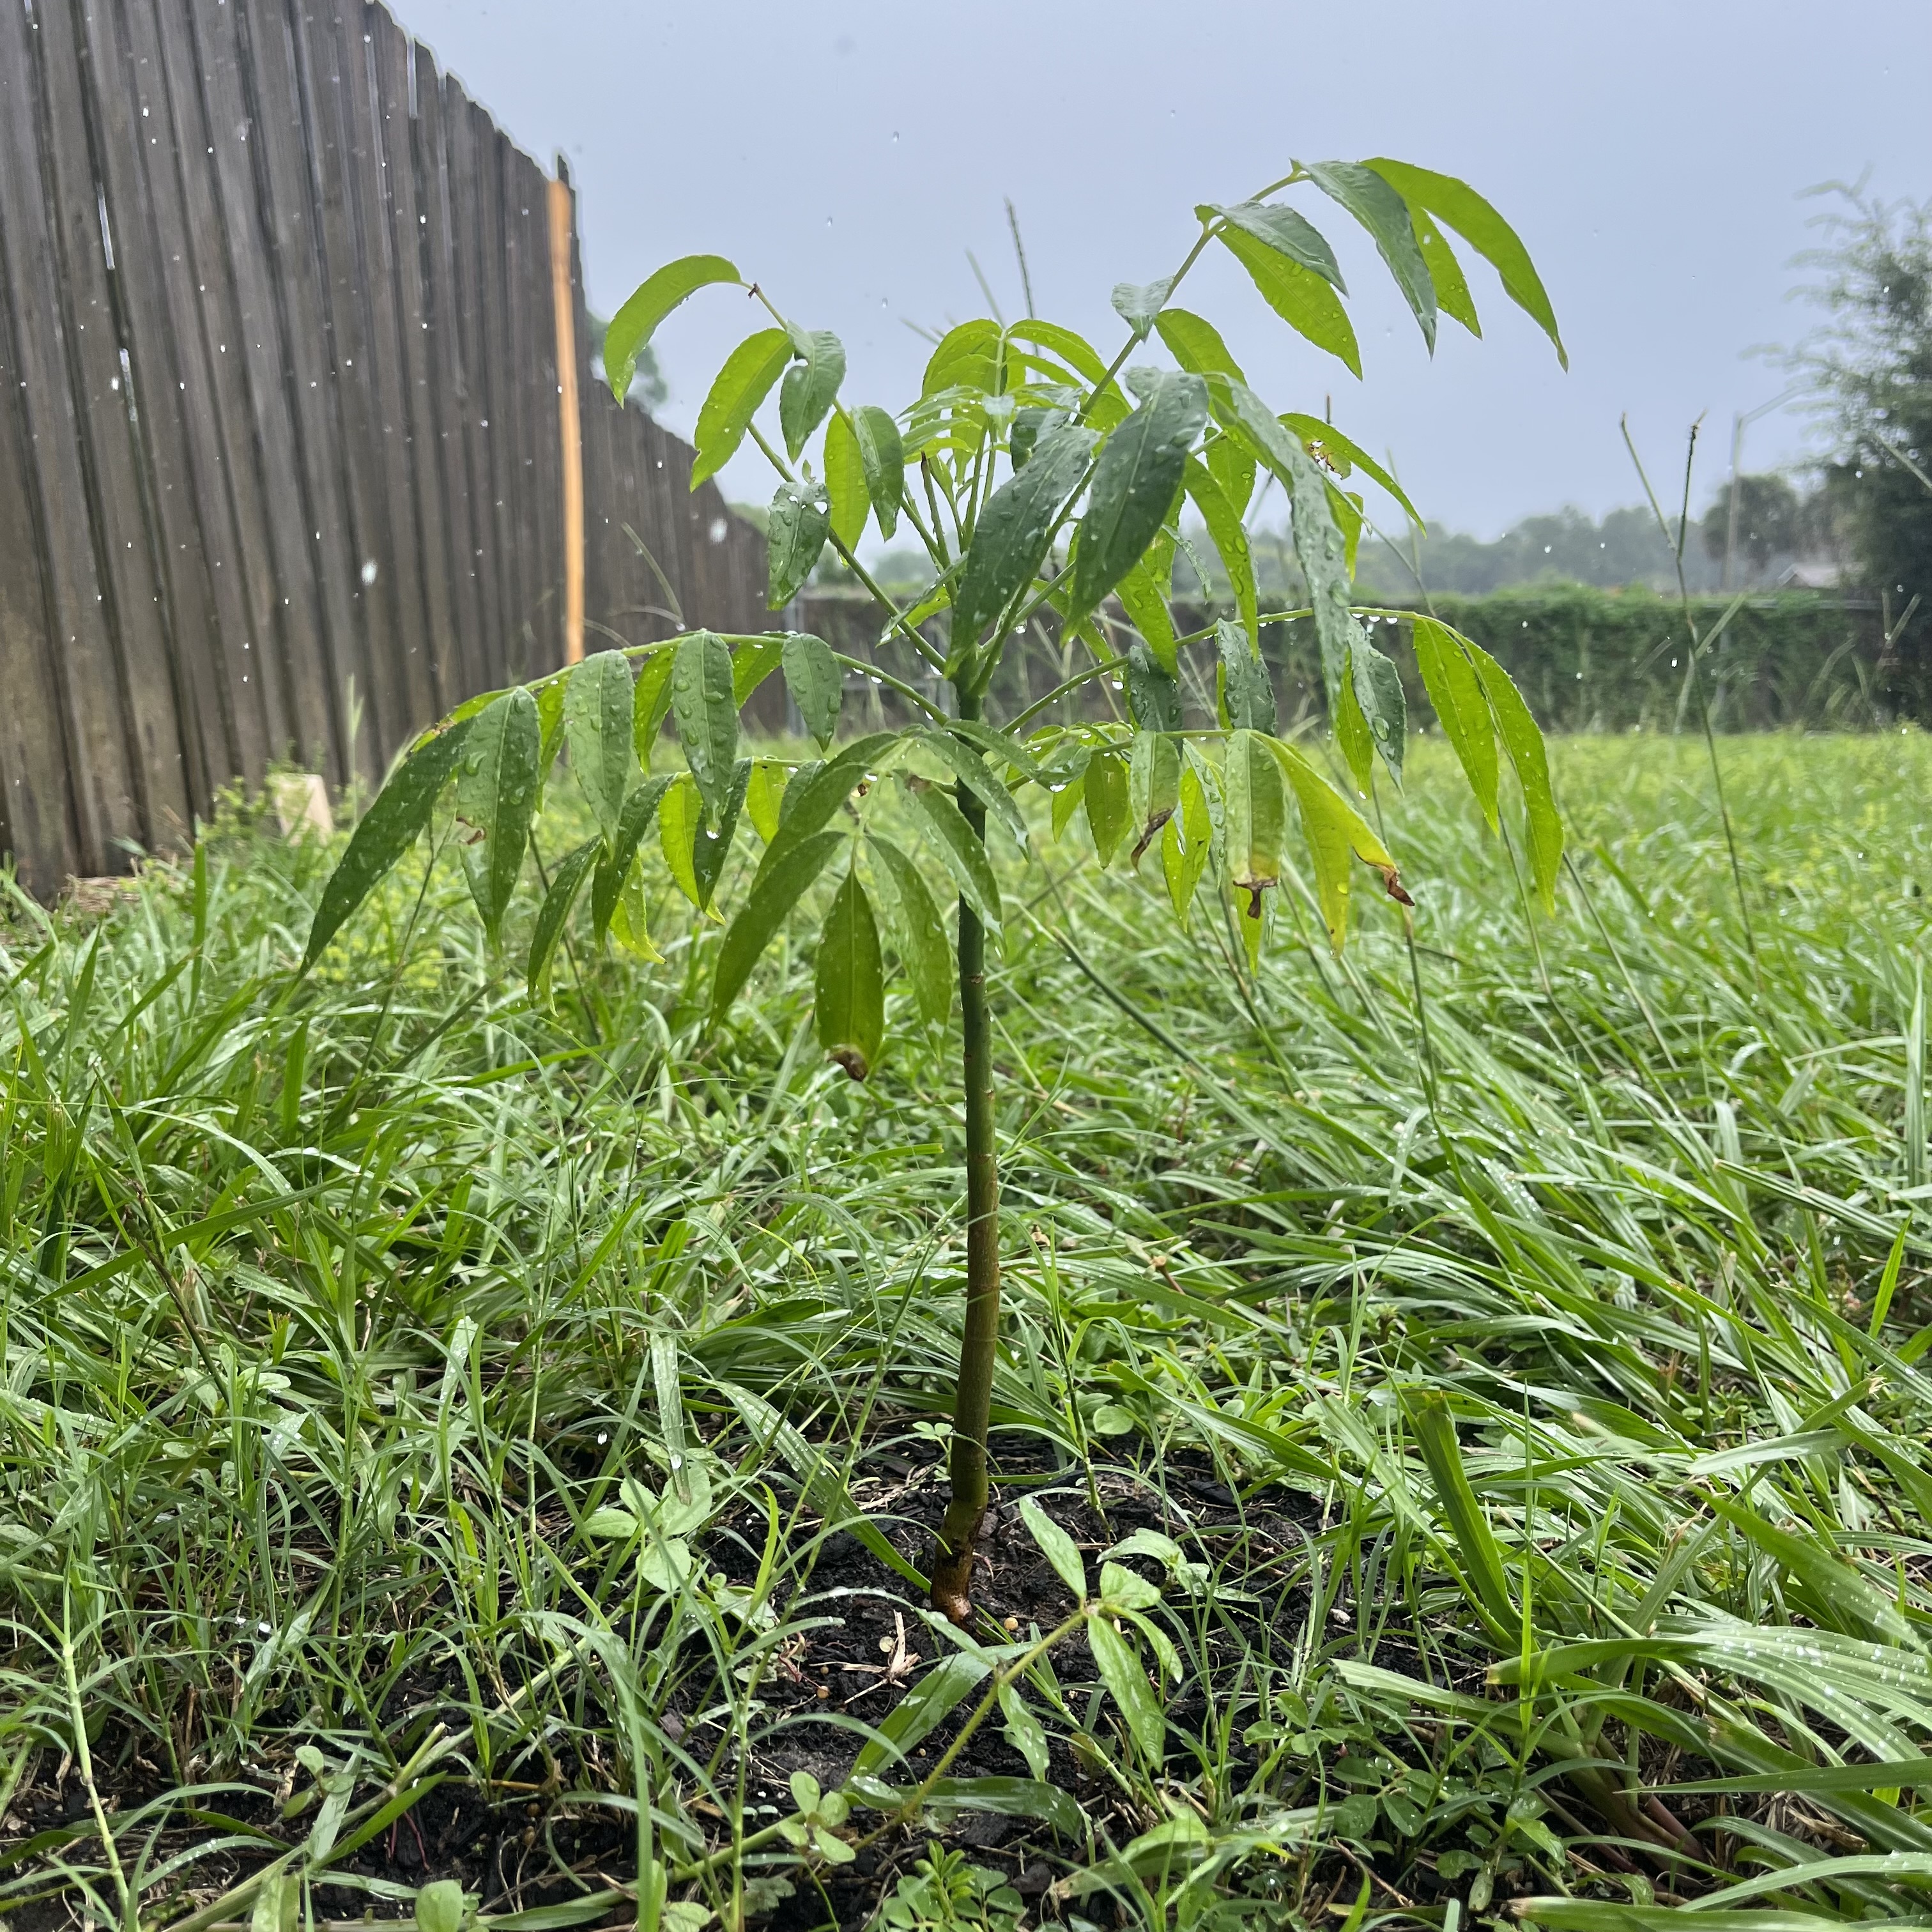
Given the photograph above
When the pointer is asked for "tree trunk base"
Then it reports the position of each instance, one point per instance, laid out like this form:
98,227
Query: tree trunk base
952,1592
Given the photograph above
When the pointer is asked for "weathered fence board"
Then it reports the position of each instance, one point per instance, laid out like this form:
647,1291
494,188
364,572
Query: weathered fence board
281,468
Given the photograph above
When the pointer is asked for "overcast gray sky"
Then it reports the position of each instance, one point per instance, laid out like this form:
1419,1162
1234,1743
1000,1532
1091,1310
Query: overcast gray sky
847,154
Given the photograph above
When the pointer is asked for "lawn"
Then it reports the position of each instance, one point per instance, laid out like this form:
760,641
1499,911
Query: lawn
445,1440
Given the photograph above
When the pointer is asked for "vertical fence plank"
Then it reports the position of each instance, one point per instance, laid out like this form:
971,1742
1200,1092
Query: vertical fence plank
131,603
300,700
406,221
107,809
443,348
290,240
365,145
210,333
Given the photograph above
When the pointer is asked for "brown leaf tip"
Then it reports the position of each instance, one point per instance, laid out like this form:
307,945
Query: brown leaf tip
853,1061
1392,884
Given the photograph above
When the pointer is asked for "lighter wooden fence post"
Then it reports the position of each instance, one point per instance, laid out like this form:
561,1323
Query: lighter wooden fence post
569,423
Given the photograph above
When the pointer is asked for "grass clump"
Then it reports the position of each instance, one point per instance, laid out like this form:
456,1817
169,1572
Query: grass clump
459,1457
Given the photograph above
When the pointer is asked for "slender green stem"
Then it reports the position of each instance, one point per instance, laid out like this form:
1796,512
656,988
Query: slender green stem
972,1408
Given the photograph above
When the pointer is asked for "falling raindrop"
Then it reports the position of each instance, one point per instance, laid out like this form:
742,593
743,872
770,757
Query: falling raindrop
369,571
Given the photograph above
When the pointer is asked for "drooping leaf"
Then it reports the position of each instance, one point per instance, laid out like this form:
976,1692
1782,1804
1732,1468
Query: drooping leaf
1247,693
1287,232
549,695
1319,547
1452,286
1230,540
978,778
680,814
1073,349
1523,741
810,384
742,385
1195,344
640,809
1069,796
1154,786
650,705
767,908
1352,735
882,452
386,831
1027,1734
552,916
1256,815
918,935
1334,830
1326,441
752,663
1127,1683
1377,686
496,796
634,324
1300,297
1380,207
704,702
848,985
1010,539
711,845
1134,483
1461,207
960,849
1456,692
1184,844
845,484
1138,306
597,724
1153,696
1107,806
1231,464
764,797
817,683
816,793
1148,612
799,521
925,1706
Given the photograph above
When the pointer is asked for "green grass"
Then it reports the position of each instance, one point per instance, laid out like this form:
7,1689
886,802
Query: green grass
1558,1338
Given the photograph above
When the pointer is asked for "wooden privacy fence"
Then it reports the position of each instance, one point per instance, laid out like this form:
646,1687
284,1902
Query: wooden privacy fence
296,418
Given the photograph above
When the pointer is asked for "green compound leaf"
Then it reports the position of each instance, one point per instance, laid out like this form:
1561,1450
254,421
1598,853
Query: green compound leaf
849,985
651,705
1459,206
1256,814
811,384
1456,691
1148,612
959,848
772,898
816,682
918,933
552,916
1127,1683
1107,803
1195,344
1246,694
1287,233
1300,297
845,483
496,797
597,701
764,797
386,831
799,521
1325,440
1335,832
703,703
709,848
634,324
752,663
1523,741
1010,540
882,452
1153,695
1134,483
1377,689
1154,786
742,385
1381,209
640,809
1056,1546
1452,286
1223,519
1184,843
